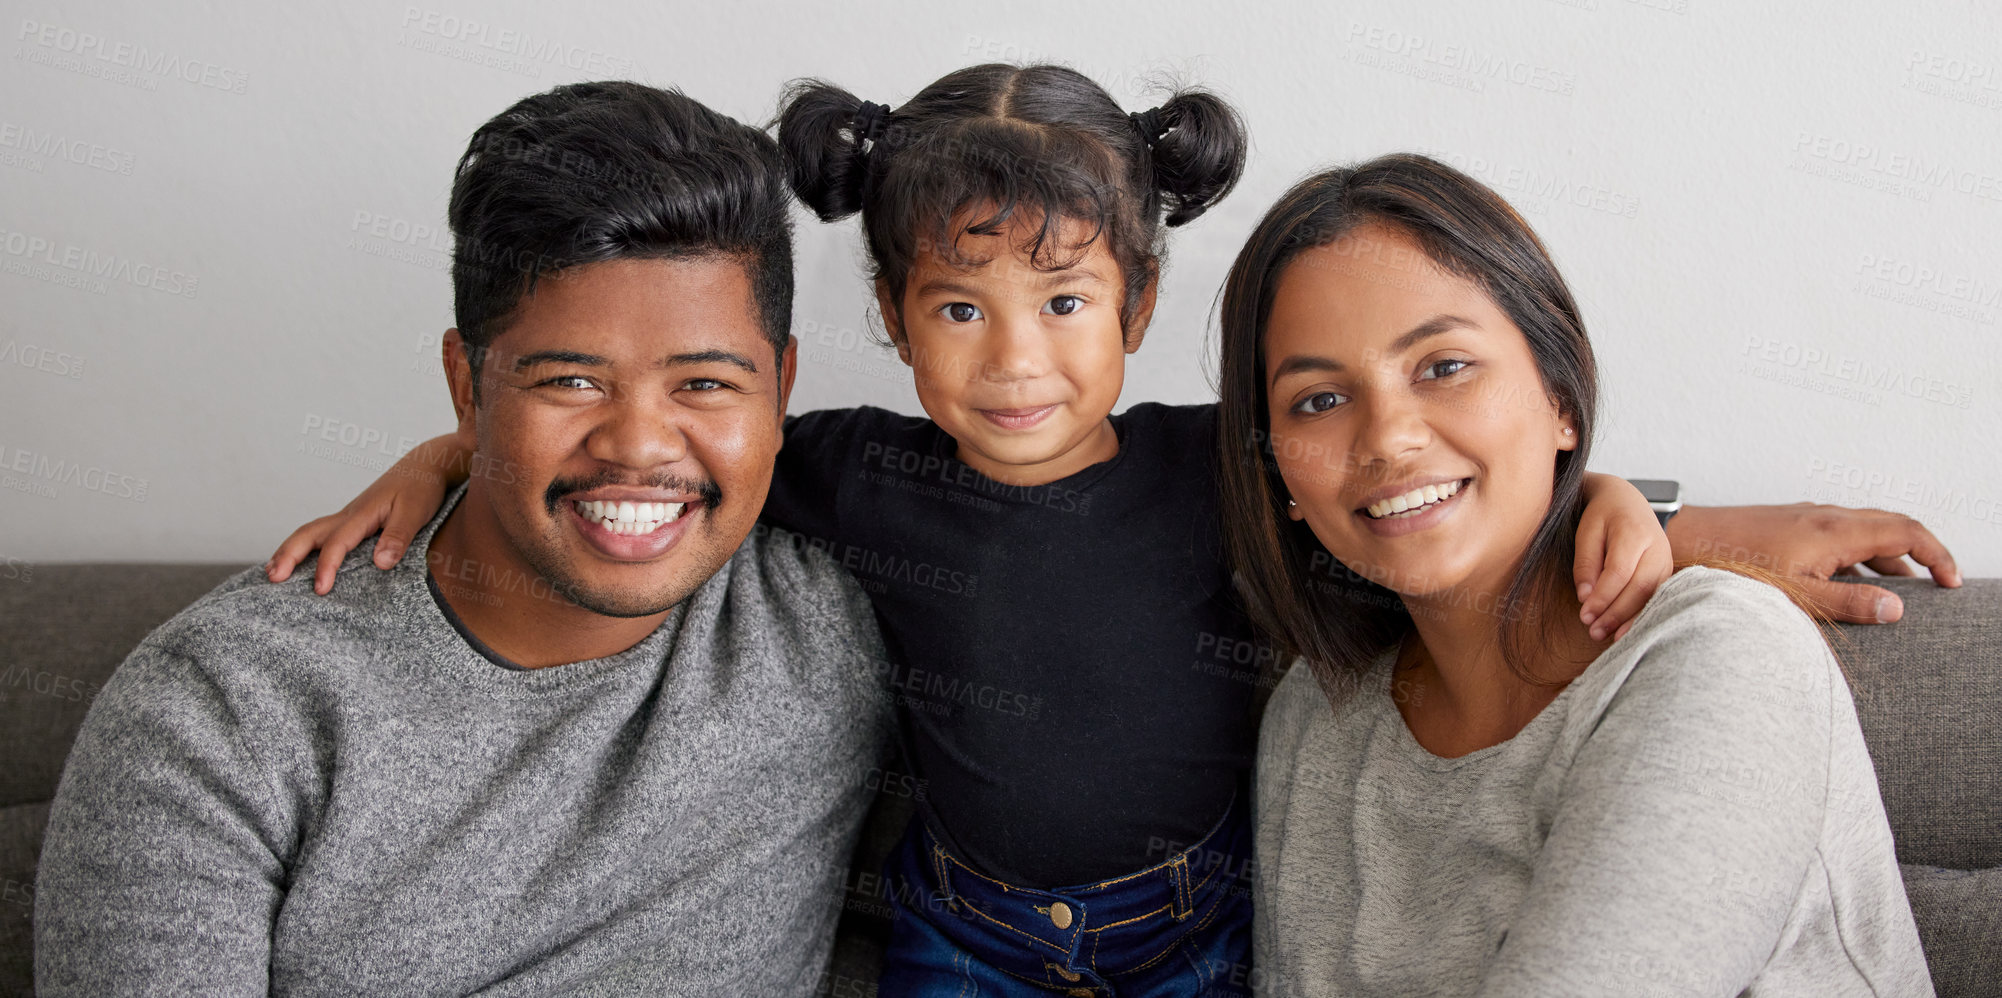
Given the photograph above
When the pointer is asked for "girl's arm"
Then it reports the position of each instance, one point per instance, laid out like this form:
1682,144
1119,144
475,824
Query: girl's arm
399,504
1622,555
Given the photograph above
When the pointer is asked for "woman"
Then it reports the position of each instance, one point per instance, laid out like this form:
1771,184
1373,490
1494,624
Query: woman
1408,400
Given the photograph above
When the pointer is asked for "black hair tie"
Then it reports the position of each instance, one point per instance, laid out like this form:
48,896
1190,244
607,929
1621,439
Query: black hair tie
1149,124
871,120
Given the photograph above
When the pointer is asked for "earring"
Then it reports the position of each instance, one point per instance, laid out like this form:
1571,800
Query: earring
1567,431
1292,502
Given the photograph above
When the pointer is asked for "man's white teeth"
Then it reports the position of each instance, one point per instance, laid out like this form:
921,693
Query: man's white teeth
630,517
1412,500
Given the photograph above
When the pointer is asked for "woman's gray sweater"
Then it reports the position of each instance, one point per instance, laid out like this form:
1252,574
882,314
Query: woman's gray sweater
1695,814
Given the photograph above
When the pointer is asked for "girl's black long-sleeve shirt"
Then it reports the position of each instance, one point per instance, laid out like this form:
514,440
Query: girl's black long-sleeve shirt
1077,688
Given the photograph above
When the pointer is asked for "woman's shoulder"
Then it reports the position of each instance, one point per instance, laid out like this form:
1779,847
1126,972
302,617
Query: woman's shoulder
1721,645
1711,607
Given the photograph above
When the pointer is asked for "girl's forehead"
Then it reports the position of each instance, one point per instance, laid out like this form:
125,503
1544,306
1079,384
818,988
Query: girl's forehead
1020,252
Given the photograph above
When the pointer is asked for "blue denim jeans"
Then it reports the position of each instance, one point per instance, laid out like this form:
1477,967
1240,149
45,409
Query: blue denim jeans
1182,928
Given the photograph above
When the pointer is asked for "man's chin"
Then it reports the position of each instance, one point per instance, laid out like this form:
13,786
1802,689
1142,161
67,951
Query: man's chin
621,605
623,589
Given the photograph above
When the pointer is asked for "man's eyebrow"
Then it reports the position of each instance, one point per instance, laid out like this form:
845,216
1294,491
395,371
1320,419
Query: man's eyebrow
528,360
1431,327
707,357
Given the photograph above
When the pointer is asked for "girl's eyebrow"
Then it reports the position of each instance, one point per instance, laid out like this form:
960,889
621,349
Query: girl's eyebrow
1050,279
1071,275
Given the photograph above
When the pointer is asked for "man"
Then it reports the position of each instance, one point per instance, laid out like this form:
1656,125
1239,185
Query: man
586,737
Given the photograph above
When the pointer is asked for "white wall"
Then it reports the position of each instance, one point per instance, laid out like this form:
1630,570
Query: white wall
1781,220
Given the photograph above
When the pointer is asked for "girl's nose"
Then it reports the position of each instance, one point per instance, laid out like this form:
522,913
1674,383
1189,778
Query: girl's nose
1016,350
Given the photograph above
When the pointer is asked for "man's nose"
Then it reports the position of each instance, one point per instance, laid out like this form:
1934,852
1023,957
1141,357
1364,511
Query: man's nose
640,432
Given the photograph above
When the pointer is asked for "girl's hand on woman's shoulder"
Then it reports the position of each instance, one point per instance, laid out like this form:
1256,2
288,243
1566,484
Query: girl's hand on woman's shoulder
1622,555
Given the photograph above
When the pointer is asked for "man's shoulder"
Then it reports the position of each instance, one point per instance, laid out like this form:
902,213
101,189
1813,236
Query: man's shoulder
793,575
250,622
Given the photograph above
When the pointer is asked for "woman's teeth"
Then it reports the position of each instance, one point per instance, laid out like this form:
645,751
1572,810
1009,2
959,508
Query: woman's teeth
630,517
1412,501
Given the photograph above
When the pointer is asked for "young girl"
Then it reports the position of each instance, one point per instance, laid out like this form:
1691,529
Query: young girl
1501,802
1078,687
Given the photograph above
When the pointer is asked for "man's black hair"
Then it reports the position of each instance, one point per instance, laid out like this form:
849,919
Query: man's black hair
590,172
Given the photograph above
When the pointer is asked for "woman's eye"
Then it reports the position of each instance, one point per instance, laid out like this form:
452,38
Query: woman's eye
1444,368
1320,402
1063,305
960,311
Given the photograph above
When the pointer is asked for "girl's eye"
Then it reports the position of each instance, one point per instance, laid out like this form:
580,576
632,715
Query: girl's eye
1444,368
960,311
1063,305
1320,402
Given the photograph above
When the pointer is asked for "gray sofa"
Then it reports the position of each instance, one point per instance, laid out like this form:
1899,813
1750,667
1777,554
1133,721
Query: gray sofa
1929,691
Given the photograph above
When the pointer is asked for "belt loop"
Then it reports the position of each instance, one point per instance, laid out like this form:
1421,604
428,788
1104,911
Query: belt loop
1178,875
939,866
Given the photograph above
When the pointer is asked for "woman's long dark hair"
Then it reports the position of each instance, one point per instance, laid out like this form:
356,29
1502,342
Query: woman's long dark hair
1308,602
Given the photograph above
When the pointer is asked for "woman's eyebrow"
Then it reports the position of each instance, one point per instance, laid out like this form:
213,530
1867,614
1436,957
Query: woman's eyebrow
1443,322
1431,327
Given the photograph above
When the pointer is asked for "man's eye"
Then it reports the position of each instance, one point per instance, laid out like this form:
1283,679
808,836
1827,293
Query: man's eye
1445,368
1063,305
960,311
1320,402
570,381
705,384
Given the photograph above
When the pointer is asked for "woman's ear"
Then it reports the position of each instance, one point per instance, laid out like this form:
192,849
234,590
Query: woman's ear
1143,312
893,320
1567,433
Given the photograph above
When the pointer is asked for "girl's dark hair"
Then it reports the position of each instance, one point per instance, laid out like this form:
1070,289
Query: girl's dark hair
1043,142
1304,599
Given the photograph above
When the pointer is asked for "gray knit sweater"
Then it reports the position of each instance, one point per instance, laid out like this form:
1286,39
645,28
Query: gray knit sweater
1695,815
291,794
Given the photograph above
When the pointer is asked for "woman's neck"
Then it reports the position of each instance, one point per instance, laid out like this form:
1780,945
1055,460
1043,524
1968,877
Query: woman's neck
1459,694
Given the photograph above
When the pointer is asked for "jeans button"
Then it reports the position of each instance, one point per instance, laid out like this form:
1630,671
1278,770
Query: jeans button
1060,915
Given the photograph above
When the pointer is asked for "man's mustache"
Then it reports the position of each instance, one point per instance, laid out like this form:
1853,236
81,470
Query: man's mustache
712,495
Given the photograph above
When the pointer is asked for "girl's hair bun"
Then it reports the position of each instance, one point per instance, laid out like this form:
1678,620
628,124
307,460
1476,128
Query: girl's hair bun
1200,154
825,160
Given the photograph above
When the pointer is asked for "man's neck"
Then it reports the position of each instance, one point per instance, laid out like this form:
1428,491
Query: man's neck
519,614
